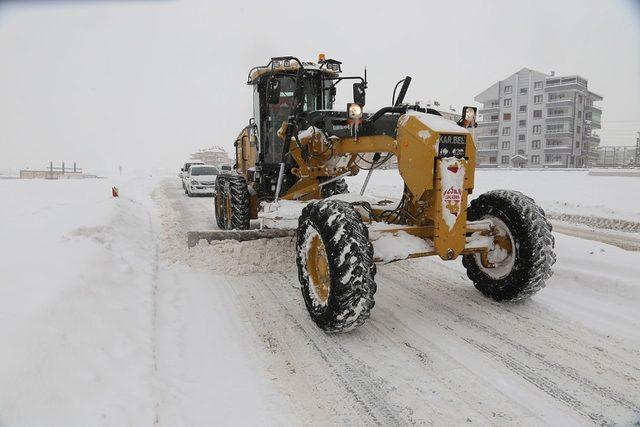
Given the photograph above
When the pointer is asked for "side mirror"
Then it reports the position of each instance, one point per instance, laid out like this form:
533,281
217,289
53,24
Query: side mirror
273,91
359,96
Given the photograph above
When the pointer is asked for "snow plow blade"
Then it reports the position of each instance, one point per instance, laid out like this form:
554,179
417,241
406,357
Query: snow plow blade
193,237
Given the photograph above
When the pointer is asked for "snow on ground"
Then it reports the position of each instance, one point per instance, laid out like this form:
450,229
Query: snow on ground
108,319
567,192
98,329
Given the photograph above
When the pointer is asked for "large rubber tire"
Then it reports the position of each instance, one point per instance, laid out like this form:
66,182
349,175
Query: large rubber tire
349,256
237,203
532,246
336,187
219,201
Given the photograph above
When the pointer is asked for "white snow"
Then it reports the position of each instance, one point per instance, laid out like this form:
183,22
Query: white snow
435,123
108,319
397,245
100,326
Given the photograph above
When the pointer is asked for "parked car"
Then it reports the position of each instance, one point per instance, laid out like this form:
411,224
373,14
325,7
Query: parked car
201,180
184,172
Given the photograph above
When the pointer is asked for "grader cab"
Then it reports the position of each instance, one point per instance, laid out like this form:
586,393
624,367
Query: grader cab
291,161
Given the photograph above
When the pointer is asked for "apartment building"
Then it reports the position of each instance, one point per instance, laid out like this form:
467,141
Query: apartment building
213,156
531,119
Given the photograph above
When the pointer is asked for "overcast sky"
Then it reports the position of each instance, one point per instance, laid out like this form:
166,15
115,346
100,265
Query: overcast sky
146,83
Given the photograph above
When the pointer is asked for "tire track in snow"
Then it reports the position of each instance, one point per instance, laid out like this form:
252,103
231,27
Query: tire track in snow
558,369
154,314
354,376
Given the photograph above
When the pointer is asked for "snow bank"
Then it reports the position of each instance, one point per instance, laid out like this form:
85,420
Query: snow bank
100,326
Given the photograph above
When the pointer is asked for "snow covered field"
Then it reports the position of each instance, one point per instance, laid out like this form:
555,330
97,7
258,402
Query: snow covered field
106,318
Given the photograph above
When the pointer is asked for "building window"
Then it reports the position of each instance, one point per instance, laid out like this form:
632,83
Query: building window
522,123
537,129
537,114
537,85
506,116
523,108
537,99
506,130
579,114
579,99
535,144
553,158
535,159
507,89
522,137
494,118
493,132
506,145
577,143
507,102
578,130
505,160
493,160
523,90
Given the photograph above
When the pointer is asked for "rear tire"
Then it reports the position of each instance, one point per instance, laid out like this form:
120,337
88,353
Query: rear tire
336,187
335,265
525,269
232,202
219,202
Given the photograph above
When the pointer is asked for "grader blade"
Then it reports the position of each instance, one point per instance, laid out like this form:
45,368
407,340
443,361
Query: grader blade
194,237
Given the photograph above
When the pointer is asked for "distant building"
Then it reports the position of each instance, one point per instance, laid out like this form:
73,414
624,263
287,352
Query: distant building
52,172
531,119
213,156
616,156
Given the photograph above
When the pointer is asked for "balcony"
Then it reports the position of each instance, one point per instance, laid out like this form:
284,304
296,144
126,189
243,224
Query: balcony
488,123
593,124
487,137
559,131
558,148
565,83
560,101
489,109
593,108
559,117
488,148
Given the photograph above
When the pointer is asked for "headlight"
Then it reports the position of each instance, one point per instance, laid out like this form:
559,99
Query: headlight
354,111
194,182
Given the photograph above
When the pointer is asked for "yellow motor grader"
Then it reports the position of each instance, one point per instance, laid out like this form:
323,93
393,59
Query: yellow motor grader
291,161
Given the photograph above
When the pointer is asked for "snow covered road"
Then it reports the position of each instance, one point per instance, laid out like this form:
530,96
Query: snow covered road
112,320
436,351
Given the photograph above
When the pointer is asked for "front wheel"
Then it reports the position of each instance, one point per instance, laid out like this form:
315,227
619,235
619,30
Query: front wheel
520,261
335,265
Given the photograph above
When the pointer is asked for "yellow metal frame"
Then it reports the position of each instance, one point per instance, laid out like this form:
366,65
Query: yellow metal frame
415,147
